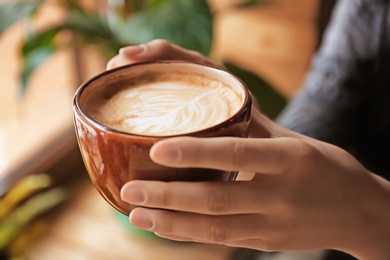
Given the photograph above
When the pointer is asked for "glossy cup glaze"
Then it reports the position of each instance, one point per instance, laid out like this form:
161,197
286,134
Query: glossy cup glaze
113,158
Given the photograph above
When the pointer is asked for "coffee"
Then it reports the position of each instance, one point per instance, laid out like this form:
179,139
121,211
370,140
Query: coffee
163,104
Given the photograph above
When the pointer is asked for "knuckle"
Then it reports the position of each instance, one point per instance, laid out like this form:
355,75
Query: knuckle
166,198
307,153
217,233
302,152
163,222
162,44
217,201
305,149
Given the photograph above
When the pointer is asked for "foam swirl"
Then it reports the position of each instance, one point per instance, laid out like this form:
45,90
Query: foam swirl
169,108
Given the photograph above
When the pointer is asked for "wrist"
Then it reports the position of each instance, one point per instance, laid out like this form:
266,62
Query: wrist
370,238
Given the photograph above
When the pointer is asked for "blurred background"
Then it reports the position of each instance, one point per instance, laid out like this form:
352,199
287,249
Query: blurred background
48,207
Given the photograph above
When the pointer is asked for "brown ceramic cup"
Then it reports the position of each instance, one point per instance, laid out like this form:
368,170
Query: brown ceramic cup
112,158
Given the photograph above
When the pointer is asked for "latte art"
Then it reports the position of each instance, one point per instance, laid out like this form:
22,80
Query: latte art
162,107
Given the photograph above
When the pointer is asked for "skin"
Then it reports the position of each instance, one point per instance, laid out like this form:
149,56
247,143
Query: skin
304,194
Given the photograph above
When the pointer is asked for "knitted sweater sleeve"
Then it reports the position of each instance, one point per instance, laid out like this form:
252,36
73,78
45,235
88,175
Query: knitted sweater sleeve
331,101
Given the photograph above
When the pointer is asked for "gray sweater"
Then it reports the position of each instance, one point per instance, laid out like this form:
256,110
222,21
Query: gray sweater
346,97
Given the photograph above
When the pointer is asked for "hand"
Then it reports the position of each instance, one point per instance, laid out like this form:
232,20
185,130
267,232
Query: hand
305,194
155,50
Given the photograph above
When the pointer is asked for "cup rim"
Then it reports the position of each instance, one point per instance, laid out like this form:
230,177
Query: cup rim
77,109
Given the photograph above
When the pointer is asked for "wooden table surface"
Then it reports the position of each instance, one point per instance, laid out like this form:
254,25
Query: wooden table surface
87,228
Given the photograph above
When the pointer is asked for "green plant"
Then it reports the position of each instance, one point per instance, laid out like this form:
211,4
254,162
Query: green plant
23,210
187,23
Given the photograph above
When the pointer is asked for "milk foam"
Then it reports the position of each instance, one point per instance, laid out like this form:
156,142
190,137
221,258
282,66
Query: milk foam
169,107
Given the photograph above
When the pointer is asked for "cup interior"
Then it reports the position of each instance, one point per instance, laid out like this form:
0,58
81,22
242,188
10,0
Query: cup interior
107,83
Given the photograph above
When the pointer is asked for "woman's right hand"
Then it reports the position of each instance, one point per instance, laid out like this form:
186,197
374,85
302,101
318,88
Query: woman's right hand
155,50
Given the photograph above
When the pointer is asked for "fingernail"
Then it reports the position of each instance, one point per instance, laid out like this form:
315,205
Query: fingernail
165,154
132,194
132,50
140,218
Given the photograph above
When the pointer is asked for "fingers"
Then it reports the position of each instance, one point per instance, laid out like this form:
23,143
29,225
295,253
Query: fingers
201,228
211,198
242,230
269,155
155,50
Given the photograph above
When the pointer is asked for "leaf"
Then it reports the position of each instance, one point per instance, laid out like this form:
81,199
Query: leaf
22,190
72,5
270,101
32,60
151,3
39,39
138,5
185,23
17,220
36,50
88,25
85,23
93,29
11,12
248,3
